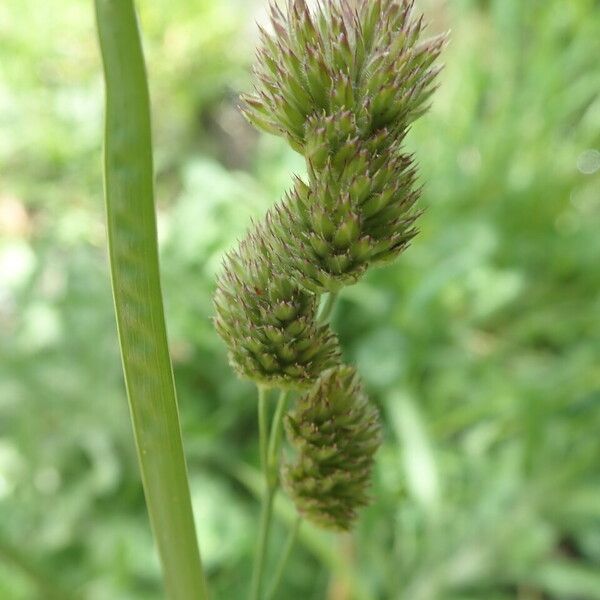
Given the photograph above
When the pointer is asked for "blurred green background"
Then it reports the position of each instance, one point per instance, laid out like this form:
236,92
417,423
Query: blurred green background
481,345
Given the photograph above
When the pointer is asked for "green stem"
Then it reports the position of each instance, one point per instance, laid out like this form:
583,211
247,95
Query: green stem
263,542
275,440
128,173
270,468
263,425
327,308
289,545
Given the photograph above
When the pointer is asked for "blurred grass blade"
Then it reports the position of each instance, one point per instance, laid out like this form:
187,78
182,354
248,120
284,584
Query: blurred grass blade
417,451
138,299
46,585
564,579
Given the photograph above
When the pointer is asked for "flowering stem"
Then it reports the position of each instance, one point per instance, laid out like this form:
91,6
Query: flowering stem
263,424
275,440
269,451
289,545
262,544
270,466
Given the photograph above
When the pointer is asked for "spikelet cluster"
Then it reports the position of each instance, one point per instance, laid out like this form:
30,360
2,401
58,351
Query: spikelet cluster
270,322
367,60
335,431
354,212
342,84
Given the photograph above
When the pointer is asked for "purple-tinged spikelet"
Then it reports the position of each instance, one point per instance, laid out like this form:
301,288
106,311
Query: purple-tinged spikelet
268,322
366,60
335,432
343,85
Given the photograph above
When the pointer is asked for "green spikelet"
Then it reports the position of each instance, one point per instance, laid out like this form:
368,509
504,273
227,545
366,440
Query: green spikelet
343,86
367,60
336,432
268,323
357,210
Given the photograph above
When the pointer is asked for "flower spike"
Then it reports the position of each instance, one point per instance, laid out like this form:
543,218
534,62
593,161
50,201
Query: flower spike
342,84
336,432
268,323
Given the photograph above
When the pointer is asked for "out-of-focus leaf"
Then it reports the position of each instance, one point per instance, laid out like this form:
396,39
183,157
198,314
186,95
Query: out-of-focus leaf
418,456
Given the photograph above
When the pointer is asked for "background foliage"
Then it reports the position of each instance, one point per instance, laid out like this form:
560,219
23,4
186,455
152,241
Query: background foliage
481,346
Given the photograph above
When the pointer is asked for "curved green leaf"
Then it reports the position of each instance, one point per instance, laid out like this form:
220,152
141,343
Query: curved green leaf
138,299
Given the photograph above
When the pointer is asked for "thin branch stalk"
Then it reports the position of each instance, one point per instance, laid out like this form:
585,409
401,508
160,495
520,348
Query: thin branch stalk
270,466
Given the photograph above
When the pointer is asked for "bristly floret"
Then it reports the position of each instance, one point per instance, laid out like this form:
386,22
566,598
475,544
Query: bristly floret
268,323
358,208
343,85
336,432
367,60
